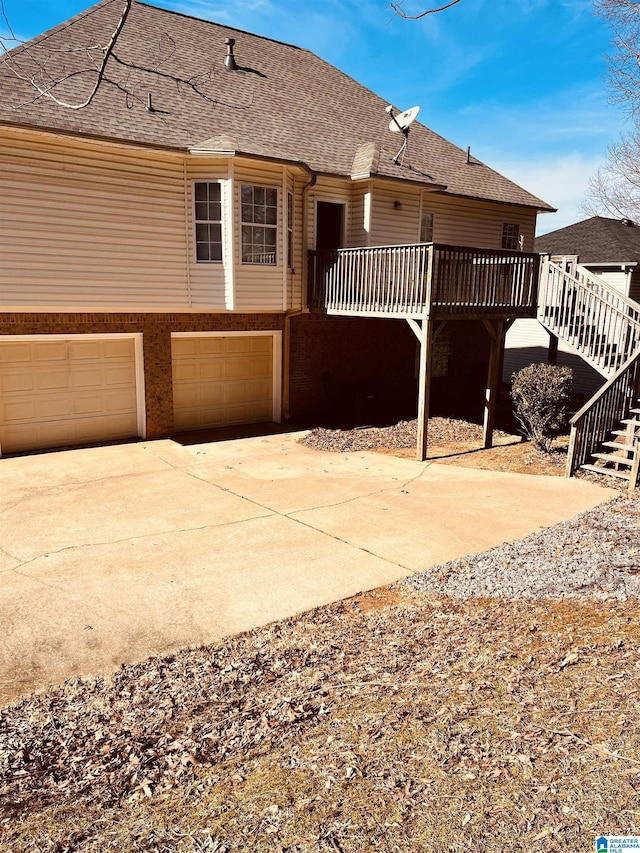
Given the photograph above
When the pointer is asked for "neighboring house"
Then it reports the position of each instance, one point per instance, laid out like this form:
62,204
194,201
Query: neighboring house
610,249
155,242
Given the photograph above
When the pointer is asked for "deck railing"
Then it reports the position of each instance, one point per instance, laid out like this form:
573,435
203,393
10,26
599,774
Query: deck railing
594,318
488,280
595,421
420,279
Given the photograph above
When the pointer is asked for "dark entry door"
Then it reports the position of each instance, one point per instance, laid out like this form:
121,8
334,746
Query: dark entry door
329,225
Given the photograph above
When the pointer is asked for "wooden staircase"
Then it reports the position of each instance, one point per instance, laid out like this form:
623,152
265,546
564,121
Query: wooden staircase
620,455
603,326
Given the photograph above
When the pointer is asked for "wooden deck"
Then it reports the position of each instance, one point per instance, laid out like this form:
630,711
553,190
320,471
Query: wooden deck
424,280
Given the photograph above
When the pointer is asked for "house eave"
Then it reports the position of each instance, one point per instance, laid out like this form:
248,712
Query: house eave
89,137
520,204
623,265
428,187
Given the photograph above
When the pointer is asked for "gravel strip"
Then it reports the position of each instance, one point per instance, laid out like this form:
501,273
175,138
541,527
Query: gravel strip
402,434
594,555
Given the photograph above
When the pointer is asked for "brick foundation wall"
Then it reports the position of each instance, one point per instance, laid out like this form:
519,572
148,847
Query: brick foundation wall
460,394
354,371
156,331
349,371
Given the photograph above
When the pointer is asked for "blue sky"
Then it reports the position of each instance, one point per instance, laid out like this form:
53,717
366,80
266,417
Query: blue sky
520,81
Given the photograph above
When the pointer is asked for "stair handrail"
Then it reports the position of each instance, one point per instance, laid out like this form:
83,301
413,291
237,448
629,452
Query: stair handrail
579,271
591,425
566,296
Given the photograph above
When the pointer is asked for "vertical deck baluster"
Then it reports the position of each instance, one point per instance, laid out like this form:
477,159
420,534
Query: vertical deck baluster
368,261
402,284
397,272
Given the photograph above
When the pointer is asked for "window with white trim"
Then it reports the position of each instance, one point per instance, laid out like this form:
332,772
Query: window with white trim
208,219
259,221
511,235
426,226
290,230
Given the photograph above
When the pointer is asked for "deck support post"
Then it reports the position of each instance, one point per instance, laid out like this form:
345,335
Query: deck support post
496,333
424,332
424,387
552,354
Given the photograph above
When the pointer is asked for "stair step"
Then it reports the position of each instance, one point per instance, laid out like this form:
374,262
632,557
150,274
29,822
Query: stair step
611,457
612,472
621,432
619,445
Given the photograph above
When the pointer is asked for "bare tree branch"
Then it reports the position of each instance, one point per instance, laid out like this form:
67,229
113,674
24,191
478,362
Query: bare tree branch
47,91
46,69
397,8
624,62
615,189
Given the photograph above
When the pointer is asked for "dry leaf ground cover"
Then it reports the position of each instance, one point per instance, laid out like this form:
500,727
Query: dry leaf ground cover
395,721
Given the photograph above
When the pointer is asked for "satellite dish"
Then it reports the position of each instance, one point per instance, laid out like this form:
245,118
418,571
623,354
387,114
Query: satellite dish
401,123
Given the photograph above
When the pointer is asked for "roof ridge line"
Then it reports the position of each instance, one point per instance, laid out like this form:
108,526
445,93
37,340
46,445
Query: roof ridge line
217,24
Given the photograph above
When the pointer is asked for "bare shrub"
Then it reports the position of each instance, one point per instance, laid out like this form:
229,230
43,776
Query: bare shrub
540,395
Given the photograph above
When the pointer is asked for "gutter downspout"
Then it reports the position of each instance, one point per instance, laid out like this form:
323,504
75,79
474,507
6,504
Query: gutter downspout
286,377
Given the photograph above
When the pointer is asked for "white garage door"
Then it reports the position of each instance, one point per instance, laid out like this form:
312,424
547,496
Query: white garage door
219,381
58,392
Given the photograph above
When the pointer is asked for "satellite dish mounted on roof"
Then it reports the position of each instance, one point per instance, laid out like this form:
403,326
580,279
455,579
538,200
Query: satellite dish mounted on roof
402,124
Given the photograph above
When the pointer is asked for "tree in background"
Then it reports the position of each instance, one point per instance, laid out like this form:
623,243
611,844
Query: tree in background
615,189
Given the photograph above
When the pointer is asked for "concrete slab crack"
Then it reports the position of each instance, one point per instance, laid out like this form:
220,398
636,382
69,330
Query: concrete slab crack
24,563
395,487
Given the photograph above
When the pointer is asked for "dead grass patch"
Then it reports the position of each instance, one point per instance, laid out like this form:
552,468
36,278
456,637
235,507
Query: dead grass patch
387,722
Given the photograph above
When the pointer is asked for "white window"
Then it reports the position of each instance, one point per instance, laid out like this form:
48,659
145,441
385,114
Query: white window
208,217
259,215
511,236
290,230
426,227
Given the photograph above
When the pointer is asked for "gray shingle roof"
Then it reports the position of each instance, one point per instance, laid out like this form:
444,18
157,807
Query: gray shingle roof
283,102
596,240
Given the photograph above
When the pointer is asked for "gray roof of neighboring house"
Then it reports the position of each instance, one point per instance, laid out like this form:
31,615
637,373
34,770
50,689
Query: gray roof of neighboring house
595,240
283,102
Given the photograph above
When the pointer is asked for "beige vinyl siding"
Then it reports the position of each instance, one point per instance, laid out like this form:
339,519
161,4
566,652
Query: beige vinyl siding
90,226
359,230
295,276
466,222
527,342
258,287
391,225
616,278
211,284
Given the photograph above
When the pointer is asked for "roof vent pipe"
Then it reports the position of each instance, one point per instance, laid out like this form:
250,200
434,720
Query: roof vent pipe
230,60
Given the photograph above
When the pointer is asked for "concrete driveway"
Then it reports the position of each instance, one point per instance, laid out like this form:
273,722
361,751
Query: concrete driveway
113,554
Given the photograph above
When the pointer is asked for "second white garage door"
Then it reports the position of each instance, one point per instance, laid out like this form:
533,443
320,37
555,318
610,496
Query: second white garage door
221,380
